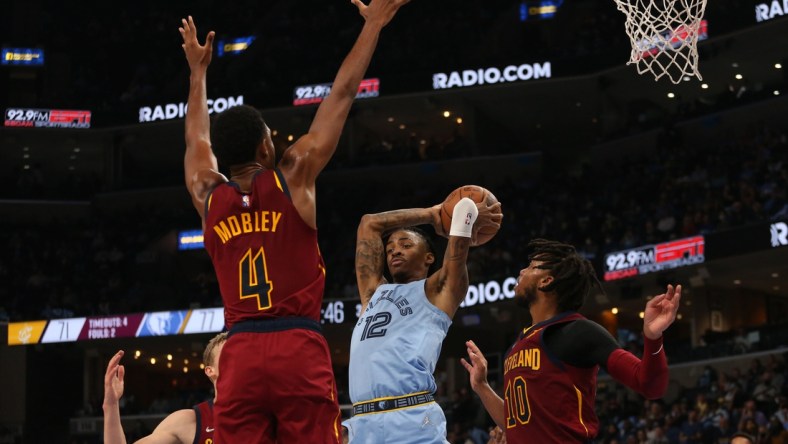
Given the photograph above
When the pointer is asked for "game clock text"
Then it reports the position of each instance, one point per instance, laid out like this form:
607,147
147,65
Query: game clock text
339,312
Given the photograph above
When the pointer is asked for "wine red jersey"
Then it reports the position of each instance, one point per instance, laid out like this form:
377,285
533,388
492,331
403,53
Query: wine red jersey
204,433
546,400
266,257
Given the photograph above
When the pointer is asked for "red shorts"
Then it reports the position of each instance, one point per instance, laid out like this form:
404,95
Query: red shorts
276,387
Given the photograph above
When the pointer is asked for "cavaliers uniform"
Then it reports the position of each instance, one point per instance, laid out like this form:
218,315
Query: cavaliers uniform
546,400
205,426
276,378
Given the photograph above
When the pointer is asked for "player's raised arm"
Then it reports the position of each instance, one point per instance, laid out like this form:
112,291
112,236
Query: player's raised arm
200,166
319,144
370,251
447,288
649,376
113,391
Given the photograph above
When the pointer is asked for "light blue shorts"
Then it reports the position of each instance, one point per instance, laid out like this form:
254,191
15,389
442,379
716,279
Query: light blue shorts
423,424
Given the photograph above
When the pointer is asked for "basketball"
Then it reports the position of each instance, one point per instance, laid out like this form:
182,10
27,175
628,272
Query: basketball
476,194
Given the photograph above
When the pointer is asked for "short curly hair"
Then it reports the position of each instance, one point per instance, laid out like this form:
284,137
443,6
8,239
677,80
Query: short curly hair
235,135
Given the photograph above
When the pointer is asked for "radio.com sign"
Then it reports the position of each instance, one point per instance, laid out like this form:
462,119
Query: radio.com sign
178,110
779,234
492,291
487,76
769,10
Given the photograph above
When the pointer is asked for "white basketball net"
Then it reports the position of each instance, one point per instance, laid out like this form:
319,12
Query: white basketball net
664,35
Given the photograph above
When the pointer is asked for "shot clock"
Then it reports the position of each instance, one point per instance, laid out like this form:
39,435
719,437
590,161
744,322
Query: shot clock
337,312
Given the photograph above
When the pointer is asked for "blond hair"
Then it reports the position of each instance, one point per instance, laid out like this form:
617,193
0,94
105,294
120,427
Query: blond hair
208,355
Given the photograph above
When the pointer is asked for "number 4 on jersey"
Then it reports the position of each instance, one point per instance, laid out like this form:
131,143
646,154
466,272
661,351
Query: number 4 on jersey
254,279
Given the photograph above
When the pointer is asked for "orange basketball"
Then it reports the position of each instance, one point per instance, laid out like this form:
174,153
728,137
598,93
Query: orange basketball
476,194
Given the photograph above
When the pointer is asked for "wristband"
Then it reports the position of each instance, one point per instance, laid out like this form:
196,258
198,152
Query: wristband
463,218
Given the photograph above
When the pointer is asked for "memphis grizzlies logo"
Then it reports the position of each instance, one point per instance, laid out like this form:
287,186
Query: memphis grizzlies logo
162,323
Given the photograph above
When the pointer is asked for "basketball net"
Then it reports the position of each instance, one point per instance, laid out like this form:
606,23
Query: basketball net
664,36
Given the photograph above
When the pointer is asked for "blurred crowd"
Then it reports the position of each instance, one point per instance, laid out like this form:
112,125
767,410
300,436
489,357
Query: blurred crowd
748,398
123,262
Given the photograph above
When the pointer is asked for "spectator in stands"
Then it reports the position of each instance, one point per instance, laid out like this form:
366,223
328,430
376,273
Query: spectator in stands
741,343
750,411
692,428
743,438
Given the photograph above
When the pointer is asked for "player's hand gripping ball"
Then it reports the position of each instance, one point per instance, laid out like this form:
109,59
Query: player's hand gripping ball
476,194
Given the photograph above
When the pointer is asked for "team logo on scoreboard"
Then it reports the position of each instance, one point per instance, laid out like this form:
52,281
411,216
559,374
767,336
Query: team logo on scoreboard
162,323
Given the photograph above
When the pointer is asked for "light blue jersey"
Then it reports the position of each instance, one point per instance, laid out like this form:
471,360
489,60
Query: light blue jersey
393,353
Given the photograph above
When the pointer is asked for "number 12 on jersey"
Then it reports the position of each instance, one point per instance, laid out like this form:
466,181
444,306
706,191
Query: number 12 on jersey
254,279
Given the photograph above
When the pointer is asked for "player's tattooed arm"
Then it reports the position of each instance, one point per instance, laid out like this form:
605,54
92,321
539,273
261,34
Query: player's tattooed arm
369,267
447,287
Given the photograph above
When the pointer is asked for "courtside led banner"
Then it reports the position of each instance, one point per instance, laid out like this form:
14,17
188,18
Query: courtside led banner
487,76
539,10
190,240
311,94
233,46
46,118
170,111
651,258
23,56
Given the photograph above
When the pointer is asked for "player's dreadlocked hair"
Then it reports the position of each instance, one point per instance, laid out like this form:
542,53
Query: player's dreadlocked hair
573,275
235,135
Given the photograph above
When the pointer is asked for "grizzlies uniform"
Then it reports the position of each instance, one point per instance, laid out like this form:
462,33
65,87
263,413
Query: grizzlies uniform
393,352
205,428
541,391
275,367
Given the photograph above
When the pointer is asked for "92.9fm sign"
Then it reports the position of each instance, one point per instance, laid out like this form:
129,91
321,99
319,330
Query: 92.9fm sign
312,94
652,258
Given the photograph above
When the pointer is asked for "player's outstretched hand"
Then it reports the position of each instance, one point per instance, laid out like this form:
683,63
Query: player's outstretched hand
113,380
380,11
497,436
489,216
477,367
661,312
198,56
